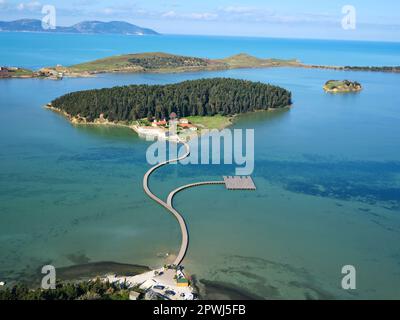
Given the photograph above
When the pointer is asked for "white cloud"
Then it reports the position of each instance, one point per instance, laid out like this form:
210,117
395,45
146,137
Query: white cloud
233,9
169,14
29,6
192,15
204,16
267,15
108,11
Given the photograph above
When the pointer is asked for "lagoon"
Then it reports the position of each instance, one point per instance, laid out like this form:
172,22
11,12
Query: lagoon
327,176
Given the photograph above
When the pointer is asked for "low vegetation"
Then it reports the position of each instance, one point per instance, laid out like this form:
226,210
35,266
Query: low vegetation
244,60
85,290
164,62
167,61
144,62
216,122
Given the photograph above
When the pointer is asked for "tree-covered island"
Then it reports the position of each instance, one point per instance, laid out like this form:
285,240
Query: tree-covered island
218,97
336,86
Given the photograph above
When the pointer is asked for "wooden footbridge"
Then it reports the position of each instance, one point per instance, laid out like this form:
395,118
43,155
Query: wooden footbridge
231,183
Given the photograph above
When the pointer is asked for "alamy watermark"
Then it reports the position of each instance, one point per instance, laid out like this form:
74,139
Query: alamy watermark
49,280
349,280
211,147
349,21
49,21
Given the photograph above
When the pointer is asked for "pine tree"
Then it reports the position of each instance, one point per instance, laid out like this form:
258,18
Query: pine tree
204,97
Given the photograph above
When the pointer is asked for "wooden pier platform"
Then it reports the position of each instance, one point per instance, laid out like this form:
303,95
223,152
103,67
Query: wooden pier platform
239,183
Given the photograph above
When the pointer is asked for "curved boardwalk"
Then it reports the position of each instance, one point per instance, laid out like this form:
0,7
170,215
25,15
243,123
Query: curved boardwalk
168,205
182,223
197,184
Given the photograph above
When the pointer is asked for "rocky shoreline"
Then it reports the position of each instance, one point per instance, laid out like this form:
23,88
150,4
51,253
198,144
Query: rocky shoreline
342,86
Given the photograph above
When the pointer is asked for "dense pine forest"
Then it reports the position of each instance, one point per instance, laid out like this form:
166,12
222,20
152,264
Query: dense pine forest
205,97
159,61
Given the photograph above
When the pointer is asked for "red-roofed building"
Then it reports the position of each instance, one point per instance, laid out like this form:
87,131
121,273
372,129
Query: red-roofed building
159,123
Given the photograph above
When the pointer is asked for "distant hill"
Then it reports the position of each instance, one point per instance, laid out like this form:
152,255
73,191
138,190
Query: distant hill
93,27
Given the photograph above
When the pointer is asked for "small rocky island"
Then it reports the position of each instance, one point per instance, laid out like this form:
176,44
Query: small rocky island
342,86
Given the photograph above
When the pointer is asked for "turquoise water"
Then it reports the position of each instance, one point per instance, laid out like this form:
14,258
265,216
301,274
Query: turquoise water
35,50
327,172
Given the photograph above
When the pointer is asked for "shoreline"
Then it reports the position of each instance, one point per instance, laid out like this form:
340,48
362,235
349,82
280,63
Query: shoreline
94,74
82,121
338,91
104,122
153,63
231,120
99,269
116,271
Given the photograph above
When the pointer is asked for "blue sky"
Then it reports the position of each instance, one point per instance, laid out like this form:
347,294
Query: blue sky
376,20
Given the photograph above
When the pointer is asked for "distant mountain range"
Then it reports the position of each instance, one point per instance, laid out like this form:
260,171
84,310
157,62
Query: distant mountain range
93,27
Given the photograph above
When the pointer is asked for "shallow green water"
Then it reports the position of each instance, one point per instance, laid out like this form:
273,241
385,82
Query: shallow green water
327,172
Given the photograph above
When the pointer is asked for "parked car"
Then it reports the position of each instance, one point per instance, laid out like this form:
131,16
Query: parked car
159,287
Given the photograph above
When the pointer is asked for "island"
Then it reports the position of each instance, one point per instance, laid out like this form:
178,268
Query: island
159,62
152,62
196,104
15,72
84,27
344,86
